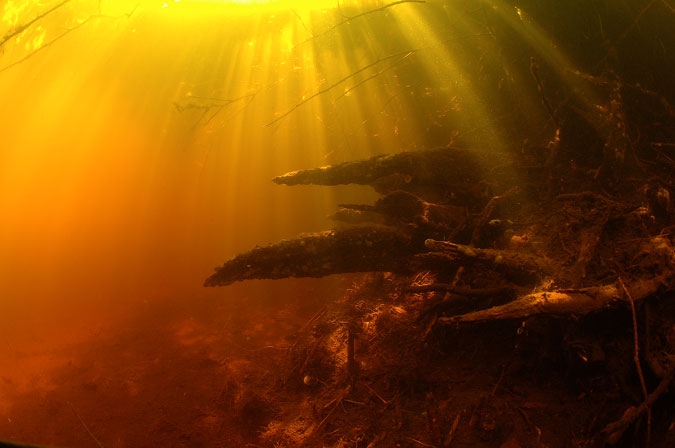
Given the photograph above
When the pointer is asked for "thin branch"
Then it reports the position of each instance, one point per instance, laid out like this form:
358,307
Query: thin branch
375,75
636,358
420,442
635,22
468,292
21,28
615,430
33,53
68,31
402,55
381,8
207,104
636,348
302,22
85,425
630,27
349,19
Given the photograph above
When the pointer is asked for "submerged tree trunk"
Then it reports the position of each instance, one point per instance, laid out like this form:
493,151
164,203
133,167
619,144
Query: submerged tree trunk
472,237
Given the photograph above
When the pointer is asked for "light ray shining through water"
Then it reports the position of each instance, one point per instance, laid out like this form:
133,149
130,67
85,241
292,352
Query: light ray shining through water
140,143
141,137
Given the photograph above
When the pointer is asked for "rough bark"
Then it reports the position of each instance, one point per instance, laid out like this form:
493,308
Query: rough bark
355,249
452,173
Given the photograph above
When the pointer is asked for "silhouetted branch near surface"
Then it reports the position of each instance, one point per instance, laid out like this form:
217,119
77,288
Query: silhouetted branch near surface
370,11
211,106
21,28
17,31
47,45
402,55
349,19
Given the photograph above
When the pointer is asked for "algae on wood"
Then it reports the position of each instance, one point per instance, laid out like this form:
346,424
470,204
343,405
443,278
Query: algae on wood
450,173
356,249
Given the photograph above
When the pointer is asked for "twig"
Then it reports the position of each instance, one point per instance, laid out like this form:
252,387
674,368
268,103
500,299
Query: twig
381,8
85,425
420,442
338,402
372,391
302,22
486,214
206,104
518,267
349,19
534,71
468,292
51,42
352,368
453,432
374,75
21,28
633,24
48,44
378,438
616,429
402,55
628,29
636,357
499,380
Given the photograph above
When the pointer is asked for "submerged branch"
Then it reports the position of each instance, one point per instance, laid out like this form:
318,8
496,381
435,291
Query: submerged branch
450,174
402,55
57,38
519,267
575,302
349,19
211,106
21,28
658,257
47,45
357,249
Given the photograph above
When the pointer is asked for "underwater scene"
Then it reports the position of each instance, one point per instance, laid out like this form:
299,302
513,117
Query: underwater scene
277,224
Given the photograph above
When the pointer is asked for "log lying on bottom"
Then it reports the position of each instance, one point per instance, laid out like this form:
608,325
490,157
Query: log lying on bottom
565,302
519,268
354,249
657,252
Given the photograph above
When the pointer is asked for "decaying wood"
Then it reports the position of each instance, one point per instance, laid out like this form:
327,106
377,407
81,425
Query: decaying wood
519,267
401,232
577,302
452,173
393,229
465,249
401,208
487,214
409,240
356,249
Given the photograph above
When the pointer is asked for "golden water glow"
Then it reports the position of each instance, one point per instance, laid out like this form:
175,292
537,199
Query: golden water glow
292,4
138,140
139,137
